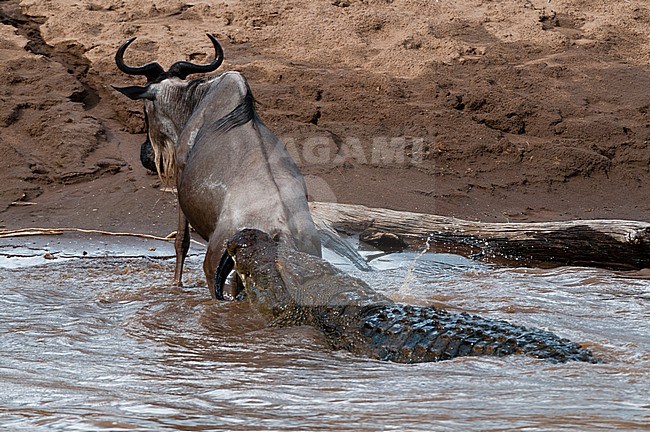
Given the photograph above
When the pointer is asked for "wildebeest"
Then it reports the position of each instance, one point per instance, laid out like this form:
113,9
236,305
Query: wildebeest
230,170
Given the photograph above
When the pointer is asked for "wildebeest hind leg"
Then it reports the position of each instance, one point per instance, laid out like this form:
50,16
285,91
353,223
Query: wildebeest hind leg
181,245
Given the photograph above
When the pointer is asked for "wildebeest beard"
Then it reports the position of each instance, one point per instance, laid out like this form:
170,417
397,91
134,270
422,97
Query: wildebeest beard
147,156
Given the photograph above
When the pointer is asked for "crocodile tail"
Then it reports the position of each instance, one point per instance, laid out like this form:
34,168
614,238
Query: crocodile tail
412,334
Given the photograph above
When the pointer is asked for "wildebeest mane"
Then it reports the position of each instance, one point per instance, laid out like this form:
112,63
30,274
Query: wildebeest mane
242,114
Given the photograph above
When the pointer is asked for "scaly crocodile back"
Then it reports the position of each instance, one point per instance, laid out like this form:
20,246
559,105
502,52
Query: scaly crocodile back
412,334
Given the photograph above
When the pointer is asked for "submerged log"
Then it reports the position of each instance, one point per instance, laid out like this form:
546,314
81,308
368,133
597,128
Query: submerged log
613,244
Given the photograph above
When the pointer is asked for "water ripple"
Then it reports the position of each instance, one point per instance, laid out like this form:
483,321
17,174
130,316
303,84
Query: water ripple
109,344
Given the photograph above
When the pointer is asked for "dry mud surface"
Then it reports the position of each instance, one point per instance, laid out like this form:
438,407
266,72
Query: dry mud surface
494,110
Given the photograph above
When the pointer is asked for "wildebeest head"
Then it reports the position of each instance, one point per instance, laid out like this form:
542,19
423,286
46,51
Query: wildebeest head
169,100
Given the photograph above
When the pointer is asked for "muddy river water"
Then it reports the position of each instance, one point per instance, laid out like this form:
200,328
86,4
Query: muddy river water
98,339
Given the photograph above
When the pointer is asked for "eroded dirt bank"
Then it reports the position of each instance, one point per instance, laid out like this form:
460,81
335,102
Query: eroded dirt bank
508,110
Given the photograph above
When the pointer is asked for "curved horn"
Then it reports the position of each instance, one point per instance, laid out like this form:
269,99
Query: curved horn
151,70
182,69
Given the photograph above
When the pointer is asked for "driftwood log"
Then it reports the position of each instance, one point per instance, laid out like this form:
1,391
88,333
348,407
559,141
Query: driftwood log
613,244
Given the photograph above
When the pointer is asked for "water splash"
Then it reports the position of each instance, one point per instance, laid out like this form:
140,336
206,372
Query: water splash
406,287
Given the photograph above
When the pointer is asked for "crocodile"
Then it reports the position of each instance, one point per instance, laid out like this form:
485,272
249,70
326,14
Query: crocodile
292,288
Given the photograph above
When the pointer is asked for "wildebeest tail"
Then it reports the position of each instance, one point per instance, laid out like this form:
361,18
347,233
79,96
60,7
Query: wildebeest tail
331,239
